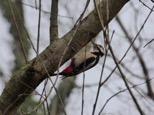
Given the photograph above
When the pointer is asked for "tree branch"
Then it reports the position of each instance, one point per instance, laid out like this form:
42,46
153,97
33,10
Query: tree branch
54,21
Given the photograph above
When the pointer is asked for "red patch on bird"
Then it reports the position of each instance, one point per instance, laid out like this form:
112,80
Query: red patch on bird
68,69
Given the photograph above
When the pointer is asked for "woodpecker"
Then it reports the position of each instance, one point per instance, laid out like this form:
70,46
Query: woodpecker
83,62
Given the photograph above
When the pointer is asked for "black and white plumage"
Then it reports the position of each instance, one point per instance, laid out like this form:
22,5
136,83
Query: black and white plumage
83,62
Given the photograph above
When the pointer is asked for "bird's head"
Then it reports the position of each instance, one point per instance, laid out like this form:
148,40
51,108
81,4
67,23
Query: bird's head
98,50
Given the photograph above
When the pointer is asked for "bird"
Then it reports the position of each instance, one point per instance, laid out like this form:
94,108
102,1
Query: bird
83,62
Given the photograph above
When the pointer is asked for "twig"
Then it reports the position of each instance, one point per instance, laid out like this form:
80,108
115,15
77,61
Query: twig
121,91
82,14
38,31
100,84
102,71
145,4
148,43
125,81
141,60
83,87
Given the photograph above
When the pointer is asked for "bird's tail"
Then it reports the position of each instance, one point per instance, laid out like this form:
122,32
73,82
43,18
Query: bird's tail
55,74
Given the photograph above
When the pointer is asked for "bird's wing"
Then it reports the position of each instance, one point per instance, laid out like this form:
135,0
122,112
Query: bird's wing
89,63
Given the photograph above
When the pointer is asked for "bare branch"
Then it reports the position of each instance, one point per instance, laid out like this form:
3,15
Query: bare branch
54,21
119,92
141,60
38,29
